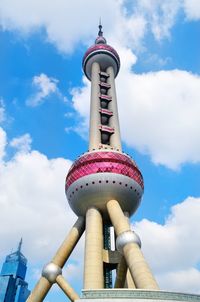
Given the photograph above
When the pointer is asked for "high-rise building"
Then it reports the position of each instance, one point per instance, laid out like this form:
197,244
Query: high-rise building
104,187
13,287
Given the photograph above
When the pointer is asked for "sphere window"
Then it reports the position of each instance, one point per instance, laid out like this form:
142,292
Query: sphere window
105,138
104,104
103,90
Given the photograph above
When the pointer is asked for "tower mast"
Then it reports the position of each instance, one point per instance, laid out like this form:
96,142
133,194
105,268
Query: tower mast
101,70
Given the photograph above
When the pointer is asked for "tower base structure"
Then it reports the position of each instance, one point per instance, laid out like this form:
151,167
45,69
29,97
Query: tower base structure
136,295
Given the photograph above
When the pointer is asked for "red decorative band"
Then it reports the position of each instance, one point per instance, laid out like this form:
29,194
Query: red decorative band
100,162
105,111
105,97
106,129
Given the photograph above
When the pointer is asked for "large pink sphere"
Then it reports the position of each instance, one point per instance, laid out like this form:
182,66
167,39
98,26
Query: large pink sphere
97,177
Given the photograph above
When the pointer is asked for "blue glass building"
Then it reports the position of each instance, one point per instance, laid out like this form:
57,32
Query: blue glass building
13,287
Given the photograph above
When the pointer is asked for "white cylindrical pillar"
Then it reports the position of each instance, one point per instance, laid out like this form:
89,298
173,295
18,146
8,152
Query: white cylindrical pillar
93,264
115,140
95,135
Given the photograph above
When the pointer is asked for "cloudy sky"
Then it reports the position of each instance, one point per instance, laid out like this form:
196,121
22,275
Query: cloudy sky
44,109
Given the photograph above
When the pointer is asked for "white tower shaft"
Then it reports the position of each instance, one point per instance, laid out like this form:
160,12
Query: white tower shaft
104,121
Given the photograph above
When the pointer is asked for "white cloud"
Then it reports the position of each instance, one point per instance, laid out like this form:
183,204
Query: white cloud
164,109
44,86
192,9
123,23
160,15
172,249
3,143
22,143
159,112
183,280
71,23
33,203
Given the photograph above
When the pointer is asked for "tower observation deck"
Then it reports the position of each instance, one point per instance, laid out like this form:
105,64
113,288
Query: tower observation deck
104,187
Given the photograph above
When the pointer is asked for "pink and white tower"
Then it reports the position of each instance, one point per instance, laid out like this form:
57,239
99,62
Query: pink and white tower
104,187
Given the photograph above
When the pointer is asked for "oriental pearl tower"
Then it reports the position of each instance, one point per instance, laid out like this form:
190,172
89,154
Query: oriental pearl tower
104,187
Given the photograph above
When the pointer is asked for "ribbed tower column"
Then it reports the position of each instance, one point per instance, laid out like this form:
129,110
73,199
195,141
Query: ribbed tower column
115,140
95,135
93,270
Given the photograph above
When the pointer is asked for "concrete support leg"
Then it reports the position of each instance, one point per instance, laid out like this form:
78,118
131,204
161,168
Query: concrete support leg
40,291
67,289
129,283
69,243
121,273
136,263
43,286
93,266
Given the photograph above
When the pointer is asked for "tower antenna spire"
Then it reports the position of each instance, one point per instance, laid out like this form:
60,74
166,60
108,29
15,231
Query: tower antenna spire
100,33
19,246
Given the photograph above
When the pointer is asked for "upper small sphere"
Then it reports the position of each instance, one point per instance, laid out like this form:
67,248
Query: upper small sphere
101,53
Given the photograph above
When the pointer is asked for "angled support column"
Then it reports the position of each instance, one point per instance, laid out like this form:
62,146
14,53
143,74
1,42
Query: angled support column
69,243
43,286
93,264
40,291
128,244
66,288
129,283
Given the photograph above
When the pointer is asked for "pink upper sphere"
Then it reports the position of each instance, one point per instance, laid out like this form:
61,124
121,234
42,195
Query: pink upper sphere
103,54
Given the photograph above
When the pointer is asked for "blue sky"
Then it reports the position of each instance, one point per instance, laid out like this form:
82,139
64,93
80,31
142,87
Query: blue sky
44,110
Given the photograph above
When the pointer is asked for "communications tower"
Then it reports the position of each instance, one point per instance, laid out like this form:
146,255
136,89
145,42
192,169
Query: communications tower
104,187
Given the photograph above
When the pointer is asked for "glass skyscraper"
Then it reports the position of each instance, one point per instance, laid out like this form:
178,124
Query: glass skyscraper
13,287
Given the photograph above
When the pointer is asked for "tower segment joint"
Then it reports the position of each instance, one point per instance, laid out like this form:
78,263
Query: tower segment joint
126,238
51,271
